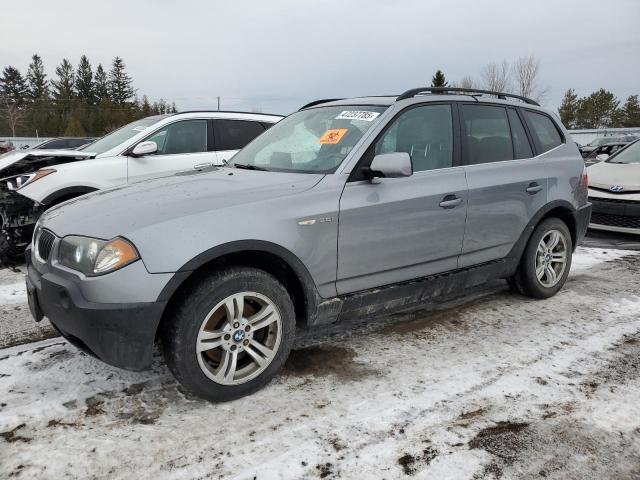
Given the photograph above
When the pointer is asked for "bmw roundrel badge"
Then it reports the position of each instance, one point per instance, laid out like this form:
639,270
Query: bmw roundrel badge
616,188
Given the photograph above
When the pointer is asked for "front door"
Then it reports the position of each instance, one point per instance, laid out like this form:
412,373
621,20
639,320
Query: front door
182,145
397,229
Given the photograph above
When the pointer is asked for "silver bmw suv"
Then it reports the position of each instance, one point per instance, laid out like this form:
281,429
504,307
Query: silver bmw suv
344,207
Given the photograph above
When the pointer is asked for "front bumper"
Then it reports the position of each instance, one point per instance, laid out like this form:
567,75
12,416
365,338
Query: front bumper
120,334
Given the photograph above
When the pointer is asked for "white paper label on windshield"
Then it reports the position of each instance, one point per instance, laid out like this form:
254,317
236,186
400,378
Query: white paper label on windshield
358,115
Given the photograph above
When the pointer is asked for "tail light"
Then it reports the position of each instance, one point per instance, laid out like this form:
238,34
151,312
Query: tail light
584,178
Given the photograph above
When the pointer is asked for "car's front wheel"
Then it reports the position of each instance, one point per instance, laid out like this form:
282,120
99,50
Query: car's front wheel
546,260
230,334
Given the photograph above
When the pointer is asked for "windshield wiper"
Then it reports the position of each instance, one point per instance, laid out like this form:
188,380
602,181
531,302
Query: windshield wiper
249,167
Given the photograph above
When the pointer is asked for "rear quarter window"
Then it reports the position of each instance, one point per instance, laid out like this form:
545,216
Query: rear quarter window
545,132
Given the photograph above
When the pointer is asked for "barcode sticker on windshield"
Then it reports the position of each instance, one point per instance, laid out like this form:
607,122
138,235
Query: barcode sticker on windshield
358,115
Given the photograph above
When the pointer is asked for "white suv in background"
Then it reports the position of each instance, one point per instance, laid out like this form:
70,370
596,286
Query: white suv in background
154,146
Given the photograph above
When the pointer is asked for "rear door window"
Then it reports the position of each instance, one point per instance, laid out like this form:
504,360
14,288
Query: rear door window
235,134
544,130
487,135
521,146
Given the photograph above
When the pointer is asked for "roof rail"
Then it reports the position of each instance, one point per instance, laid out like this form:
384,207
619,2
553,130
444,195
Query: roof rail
501,95
225,111
318,102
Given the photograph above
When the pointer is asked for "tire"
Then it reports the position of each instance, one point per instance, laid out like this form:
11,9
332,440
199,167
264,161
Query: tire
527,280
222,315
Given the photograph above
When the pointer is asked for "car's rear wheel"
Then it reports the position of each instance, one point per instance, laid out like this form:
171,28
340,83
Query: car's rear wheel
231,334
546,260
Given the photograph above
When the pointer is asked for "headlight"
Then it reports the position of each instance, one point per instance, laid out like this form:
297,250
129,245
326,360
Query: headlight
96,257
19,181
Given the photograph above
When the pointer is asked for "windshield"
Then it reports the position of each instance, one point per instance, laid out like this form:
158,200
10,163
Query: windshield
119,136
316,140
631,154
604,140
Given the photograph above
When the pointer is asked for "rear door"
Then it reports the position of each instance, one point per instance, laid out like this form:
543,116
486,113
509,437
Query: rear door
507,182
397,229
233,135
182,145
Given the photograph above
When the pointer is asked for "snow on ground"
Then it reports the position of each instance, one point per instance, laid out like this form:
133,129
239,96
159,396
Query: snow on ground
500,387
16,324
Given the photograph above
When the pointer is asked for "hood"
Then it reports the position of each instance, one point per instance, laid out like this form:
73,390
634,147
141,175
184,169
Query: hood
604,175
29,160
126,209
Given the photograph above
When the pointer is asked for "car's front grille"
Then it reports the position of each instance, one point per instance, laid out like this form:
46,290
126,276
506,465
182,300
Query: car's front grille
614,200
610,220
45,243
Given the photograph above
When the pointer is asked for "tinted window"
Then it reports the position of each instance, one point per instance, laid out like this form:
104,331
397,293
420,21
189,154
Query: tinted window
521,147
425,133
544,131
187,136
487,134
235,134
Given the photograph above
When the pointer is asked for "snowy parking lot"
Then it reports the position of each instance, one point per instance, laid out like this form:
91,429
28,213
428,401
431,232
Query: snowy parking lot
495,386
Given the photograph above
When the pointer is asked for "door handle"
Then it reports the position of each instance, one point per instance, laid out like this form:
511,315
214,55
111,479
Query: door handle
200,166
533,188
450,201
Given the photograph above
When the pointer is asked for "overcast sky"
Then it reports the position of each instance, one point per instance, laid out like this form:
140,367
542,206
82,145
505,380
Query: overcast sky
275,55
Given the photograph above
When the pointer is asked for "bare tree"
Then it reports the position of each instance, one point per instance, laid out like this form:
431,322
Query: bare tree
14,115
466,82
496,77
526,71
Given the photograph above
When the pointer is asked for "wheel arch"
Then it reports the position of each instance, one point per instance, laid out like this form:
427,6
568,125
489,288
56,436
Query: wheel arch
65,194
561,209
270,257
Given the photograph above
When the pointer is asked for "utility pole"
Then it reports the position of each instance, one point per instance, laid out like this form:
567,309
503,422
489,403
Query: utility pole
218,102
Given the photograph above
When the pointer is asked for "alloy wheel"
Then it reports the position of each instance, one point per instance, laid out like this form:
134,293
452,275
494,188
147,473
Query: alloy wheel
551,258
239,338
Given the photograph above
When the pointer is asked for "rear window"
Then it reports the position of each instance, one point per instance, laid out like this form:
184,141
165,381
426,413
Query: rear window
235,134
545,132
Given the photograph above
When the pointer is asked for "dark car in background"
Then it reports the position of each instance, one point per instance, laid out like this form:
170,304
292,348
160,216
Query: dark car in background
605,140
6,146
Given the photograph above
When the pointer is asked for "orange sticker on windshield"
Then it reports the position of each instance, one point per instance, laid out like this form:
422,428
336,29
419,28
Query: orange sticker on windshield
333,136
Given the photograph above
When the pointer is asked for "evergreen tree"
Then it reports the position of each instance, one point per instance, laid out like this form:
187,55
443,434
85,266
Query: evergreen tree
101,84
598,110
120,89
84,81
439,80
63,87
630,113
38,86
13,87
174,109
568,110
145,107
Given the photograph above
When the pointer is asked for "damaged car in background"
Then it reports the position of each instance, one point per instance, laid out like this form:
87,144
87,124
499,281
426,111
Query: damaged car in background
33,181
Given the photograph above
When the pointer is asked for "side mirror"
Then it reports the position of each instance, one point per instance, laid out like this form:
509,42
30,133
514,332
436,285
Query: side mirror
602,157
391,165
144,148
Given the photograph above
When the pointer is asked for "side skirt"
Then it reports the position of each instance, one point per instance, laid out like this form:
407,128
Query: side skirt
408,295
